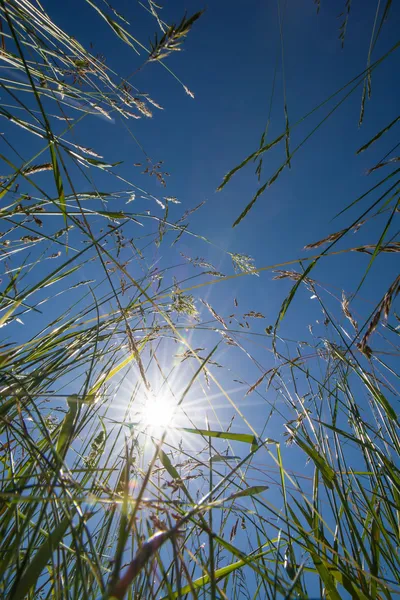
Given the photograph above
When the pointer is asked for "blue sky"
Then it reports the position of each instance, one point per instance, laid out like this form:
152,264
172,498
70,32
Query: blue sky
228,62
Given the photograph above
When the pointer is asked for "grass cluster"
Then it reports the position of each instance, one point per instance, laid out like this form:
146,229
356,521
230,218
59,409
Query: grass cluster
94,501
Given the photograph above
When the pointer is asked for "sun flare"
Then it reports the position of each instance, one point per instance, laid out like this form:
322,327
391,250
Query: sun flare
158,411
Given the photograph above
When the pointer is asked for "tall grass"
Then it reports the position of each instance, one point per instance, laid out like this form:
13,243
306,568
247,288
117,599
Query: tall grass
97,503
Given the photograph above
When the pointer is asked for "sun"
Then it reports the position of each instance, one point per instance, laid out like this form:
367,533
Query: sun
158,411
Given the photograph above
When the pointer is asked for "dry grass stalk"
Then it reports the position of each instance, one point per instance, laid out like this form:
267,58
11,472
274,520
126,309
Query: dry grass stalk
384,307
346,311
242,263
215,314
259,381
370,248
38,169
294,276
333,236
383,164
172,39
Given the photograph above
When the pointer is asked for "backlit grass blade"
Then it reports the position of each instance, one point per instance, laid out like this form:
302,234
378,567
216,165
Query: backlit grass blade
42,557
224,435
252,490
219,574
68,425
328,474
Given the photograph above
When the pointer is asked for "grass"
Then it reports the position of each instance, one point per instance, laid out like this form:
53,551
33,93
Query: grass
96,503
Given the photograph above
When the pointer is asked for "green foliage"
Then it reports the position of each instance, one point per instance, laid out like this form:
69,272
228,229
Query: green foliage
95,503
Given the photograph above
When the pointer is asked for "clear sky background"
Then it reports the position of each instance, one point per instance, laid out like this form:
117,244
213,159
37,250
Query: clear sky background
228,61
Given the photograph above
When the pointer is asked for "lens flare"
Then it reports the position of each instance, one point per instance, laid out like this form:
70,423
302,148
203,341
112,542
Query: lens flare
158,411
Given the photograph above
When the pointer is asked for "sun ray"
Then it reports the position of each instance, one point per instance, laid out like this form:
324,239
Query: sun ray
158,411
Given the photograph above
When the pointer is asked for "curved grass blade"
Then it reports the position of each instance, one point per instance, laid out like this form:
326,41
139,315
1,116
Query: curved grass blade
224,435
67,426
42,557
